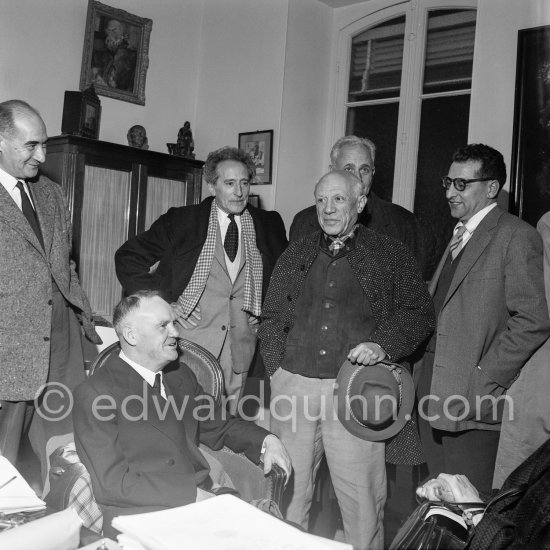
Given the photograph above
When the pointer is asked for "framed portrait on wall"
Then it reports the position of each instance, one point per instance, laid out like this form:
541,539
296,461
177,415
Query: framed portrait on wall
259,145
530,168
115,56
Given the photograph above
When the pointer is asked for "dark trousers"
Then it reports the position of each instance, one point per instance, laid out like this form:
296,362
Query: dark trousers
470,452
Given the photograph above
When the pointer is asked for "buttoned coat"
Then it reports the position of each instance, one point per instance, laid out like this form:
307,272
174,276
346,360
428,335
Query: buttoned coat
142,451
398,297
390,279
26,272
493,318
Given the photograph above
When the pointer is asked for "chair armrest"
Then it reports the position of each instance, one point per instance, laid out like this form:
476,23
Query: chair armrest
249,478
277,480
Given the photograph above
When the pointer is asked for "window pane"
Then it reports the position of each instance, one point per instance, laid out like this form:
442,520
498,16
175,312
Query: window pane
443,129
378,123
376,60
449,50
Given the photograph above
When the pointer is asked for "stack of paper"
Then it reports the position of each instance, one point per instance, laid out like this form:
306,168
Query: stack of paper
221,523
16,495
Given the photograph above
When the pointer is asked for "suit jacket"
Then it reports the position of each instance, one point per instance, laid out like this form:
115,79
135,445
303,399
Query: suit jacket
176,239
493,318
142,451
389,277
383,217
26,272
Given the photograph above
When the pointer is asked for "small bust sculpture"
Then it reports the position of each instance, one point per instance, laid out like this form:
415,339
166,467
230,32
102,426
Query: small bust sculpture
186,144
137,137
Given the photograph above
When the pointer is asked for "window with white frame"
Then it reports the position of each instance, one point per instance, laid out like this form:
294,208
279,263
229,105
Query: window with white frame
407,87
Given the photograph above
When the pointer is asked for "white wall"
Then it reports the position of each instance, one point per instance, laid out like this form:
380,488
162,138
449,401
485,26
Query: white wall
42,41
302,158
240,80
494,74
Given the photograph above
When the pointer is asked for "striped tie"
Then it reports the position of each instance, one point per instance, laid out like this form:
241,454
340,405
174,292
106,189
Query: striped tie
456,241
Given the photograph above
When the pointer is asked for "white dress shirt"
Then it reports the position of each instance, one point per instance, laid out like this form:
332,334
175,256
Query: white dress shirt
9,183
146,374
472,224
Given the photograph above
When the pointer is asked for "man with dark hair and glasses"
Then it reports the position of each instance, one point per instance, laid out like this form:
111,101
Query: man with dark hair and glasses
488,293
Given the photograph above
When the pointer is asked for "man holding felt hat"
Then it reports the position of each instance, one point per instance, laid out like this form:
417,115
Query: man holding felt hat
342,294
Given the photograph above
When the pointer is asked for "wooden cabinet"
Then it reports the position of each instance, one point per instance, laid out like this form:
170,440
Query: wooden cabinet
114,192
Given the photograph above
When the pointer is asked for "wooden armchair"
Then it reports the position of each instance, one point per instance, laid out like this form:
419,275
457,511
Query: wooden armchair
70,481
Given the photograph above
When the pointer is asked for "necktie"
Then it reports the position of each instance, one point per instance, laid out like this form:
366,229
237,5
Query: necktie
157,385
29,213
231,242
456,241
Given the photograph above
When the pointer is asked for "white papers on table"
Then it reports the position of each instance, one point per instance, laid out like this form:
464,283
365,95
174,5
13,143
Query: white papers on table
60,531
16,495
221,523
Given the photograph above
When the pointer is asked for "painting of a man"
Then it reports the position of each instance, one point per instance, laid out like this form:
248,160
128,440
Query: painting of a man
114,56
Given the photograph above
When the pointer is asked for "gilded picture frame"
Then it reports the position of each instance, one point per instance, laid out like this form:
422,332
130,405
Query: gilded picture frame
115,56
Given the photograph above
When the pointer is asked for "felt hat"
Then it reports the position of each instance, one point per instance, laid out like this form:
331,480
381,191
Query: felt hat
373,402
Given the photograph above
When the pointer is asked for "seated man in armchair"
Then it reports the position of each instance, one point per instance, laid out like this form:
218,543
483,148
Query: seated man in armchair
139,419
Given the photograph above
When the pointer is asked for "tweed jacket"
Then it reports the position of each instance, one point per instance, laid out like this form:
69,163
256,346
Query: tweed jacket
142,452
176,239
383,217
389,277
26,272
492,320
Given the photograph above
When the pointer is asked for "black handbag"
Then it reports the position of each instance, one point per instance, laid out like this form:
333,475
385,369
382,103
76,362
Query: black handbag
433,526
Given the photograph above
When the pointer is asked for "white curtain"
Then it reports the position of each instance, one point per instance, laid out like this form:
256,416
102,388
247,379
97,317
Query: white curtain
105,214
162,194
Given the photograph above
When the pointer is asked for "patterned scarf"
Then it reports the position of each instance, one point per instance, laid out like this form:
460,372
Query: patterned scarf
252,302
337,243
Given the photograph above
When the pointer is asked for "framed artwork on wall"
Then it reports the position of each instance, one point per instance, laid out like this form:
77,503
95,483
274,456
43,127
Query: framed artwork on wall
530,167
259,145
115,56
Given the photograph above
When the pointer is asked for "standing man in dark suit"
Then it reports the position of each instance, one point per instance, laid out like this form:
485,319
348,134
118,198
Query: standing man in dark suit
215,261
42,306
341,292
356,155
488,293
139,419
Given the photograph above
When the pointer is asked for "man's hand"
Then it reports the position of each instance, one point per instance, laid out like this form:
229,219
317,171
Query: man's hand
275,453
187,322
453,488
367,353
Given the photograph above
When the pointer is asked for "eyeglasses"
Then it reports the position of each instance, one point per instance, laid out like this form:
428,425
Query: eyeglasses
460,183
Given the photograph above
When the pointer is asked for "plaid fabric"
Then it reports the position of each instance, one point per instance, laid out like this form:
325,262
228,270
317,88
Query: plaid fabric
191,295
82,500
253,270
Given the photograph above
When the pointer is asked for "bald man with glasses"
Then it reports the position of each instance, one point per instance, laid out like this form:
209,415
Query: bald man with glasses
489,299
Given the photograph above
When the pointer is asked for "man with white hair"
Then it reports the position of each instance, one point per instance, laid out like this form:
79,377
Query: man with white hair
341,292
357,155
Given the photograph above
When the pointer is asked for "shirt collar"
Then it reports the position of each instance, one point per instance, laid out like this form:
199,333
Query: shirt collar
476,219
8,181
146,374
